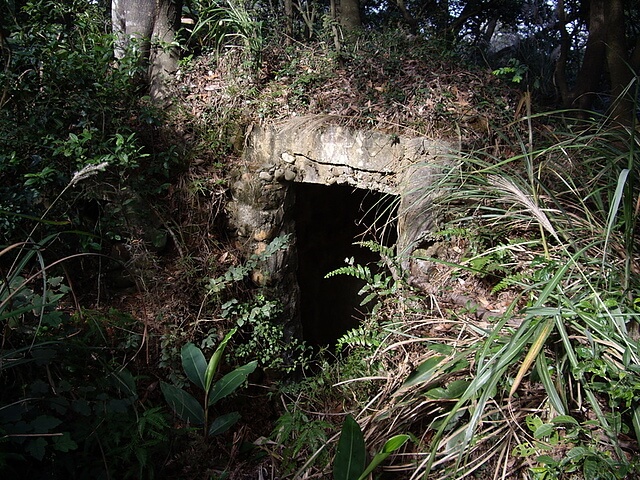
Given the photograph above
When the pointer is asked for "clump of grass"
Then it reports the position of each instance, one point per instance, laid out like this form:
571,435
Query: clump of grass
550,386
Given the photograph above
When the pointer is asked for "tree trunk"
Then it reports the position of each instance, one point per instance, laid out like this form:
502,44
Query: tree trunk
350,15
606,51
560,72
164,54
288,28
584,93
620,71
148,28
411,21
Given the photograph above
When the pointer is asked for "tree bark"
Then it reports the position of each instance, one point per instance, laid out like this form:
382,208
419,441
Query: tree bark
411,21
560,72
592,69
620,71
288,28
350,19
147,28
606,52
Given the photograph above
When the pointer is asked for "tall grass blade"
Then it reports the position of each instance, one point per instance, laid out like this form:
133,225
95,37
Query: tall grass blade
613,211
540,338
542,369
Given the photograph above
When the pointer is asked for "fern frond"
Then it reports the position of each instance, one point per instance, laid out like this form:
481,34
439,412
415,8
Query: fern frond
357,271
509,281
376,247
361,336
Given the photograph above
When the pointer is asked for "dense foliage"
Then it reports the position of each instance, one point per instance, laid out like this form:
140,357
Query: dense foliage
130,325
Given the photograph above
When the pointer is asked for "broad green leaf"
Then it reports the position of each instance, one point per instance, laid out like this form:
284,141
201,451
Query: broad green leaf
214,361
564,419
64,443
394,443
231,381
456,388
194,364
36,447
390,446
351,454
183,404
223,423
547,460
45,423
544,430
437,393
424,372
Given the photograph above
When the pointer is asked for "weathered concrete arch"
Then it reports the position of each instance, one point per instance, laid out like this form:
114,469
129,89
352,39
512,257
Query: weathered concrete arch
312,150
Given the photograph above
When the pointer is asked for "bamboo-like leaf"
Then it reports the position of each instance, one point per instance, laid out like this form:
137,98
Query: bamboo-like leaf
550,388
636,422
231,381
543,333
194,364
223,423
214,361
350,457
613,211
390,446
183,404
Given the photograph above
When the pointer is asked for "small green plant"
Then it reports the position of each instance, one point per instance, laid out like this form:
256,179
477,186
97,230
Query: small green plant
351,455
202,373
299,434
515,71
237,273
265,339
564,433
221,24
377,284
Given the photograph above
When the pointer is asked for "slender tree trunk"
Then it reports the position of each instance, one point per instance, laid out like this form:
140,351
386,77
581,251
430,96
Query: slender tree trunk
560,71
337,40
350,15
288,28
592,68
620,71
147,27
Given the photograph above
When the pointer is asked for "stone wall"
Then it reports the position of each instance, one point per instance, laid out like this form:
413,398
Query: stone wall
312,150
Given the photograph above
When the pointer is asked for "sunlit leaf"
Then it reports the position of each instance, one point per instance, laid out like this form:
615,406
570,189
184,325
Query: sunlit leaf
214,361
231,381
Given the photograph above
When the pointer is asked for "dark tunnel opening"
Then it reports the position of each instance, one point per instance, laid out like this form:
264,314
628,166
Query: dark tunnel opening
329,219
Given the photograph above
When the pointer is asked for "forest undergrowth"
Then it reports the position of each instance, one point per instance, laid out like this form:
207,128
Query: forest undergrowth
135,345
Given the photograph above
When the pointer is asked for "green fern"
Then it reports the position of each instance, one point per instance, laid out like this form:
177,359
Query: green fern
357,271
362,336
376,247
510,281
377,285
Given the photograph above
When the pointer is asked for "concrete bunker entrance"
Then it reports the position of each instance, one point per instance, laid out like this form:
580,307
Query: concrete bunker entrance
328,185
328,220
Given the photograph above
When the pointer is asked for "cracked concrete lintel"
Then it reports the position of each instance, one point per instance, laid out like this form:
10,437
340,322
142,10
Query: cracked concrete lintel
311,151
